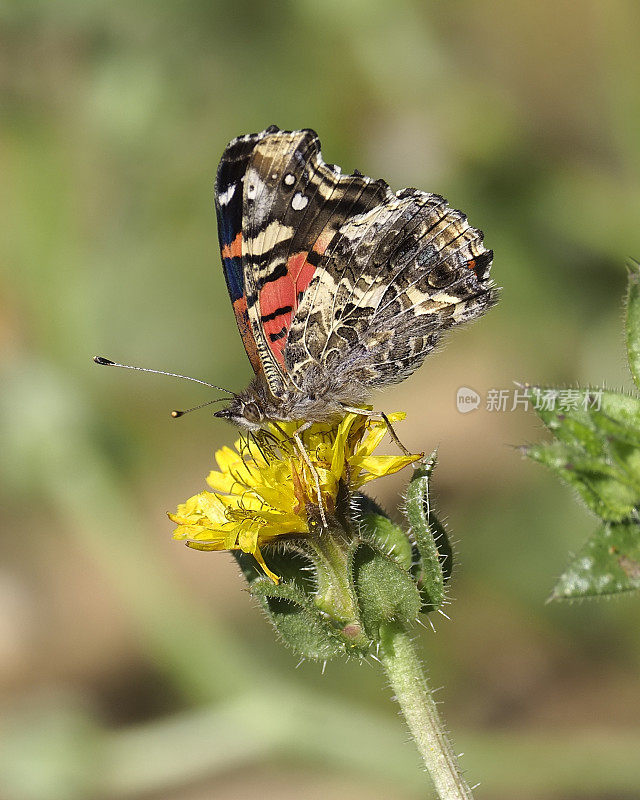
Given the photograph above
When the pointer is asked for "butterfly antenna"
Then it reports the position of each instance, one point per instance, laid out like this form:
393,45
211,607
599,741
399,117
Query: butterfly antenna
175,414
107,362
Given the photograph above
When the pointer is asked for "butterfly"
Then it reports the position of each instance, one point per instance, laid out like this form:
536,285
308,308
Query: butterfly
339,285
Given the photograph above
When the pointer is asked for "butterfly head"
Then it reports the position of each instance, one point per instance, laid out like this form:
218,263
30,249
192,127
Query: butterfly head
243,412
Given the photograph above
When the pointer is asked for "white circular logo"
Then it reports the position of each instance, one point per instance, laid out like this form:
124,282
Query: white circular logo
467,400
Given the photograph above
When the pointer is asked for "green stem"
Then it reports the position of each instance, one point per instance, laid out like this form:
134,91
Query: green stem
420,712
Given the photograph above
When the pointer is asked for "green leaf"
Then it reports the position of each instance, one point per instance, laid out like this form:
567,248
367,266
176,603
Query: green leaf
608,564
574,427
386,592
604,488
622,408
633,321
613,428
607,414
597,452
627,457
430,538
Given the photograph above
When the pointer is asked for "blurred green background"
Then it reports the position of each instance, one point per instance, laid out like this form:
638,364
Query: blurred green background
132,667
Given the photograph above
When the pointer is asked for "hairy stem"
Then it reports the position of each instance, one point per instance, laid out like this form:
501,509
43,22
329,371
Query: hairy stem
420,712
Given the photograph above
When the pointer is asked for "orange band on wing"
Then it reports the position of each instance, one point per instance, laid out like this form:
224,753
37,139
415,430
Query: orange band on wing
234,249
242,320
279,300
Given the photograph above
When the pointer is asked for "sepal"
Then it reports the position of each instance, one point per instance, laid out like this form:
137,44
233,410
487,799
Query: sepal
291,610
435,555
386,592
340,586
381,532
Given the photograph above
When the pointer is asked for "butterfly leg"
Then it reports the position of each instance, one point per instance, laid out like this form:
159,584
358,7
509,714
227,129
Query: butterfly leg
312,469
392,432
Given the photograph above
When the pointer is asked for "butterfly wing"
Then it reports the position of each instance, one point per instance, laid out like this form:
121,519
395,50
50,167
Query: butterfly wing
229,205
393,279
279,208
335,275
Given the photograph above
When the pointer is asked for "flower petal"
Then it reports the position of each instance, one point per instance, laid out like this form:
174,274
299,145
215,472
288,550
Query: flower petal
263,486
379,466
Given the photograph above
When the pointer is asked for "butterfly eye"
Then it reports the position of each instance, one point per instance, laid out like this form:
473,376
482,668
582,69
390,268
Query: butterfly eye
251,412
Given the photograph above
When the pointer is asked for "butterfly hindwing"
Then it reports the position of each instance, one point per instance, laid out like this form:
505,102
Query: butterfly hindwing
393,280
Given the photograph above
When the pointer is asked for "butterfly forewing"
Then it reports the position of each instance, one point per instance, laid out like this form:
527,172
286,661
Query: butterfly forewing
229,206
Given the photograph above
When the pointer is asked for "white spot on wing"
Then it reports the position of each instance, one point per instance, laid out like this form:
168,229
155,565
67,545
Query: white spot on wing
289,179
226,196
254,185
299,201
259,195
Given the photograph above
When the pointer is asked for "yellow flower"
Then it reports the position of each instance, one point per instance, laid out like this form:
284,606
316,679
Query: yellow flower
261,490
